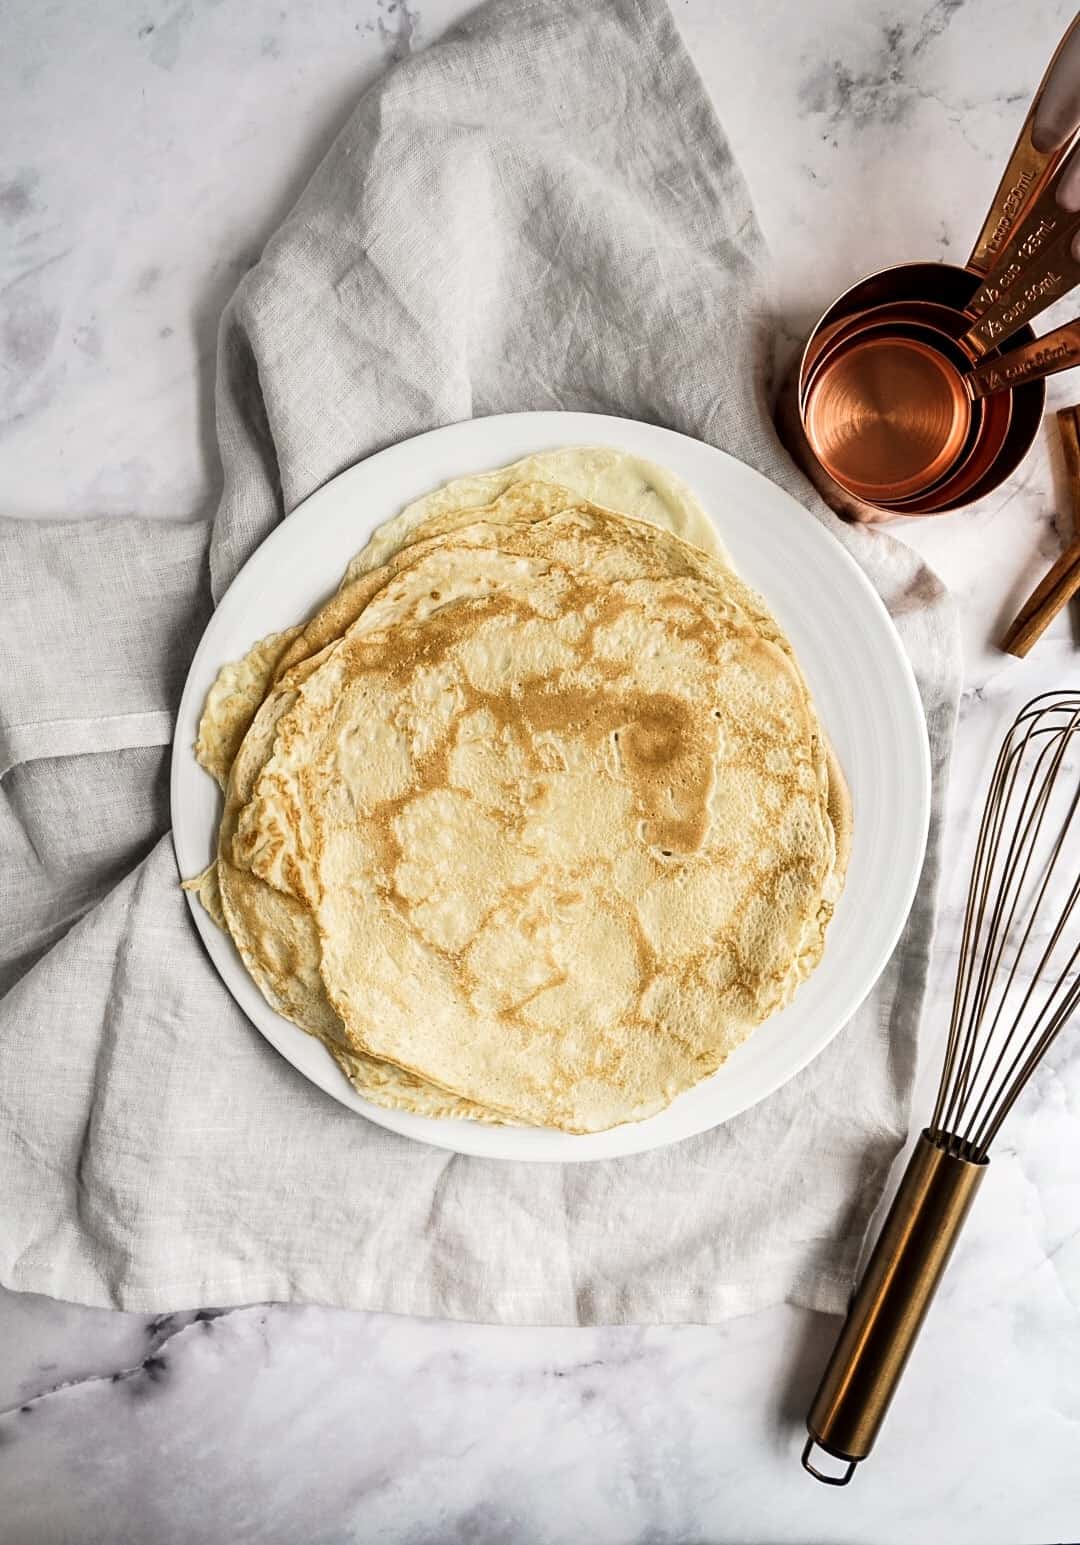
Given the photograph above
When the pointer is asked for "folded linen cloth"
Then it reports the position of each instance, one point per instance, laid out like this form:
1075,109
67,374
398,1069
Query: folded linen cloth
538,212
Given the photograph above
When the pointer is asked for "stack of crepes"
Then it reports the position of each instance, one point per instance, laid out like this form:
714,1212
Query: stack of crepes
533,821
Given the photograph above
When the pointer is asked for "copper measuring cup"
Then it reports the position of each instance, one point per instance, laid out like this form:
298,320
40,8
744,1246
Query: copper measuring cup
888,414
1017,414
940,444
880,393
963,413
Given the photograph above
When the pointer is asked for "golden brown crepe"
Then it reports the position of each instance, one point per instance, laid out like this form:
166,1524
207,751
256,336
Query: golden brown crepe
535,821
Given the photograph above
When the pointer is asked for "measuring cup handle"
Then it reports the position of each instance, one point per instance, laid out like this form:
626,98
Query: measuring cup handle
1057,350
1053,118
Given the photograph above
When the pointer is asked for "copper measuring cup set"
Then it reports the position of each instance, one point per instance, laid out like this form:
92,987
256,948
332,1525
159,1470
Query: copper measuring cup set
907,397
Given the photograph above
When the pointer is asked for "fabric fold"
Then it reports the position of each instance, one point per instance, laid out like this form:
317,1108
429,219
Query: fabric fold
99,620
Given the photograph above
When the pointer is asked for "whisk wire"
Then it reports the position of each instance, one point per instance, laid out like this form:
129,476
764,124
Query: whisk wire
1013,996
975,905
1028,834
1056,1017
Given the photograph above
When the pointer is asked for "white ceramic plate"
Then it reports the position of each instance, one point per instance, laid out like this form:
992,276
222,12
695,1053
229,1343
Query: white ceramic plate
858,673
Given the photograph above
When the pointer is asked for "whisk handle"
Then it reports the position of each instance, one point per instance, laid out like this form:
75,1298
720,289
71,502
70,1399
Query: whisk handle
889,1305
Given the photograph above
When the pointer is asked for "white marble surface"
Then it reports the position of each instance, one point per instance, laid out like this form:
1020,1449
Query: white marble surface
146,150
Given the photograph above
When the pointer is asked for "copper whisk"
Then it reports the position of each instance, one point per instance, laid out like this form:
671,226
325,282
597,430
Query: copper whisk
1017,986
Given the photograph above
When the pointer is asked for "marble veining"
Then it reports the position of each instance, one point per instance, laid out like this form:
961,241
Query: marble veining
147,150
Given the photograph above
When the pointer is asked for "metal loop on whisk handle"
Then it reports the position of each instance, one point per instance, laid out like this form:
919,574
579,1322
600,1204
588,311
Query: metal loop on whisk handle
1017,986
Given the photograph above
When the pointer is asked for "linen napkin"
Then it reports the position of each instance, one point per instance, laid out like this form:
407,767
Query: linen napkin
538,212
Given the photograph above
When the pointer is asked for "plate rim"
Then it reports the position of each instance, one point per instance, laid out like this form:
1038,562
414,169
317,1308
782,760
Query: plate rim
544,429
